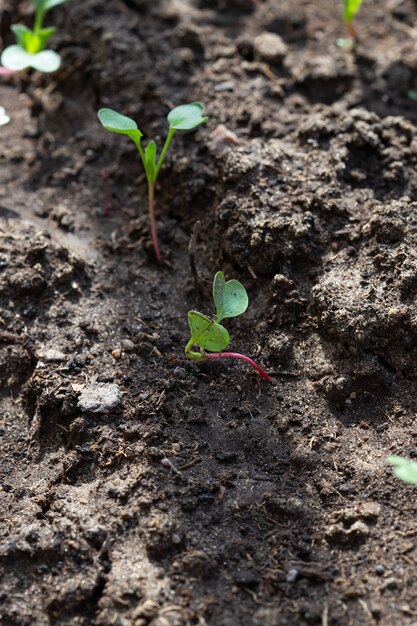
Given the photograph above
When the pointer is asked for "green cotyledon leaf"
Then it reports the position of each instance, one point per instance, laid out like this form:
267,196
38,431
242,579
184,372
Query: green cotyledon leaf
187,116
15,58
230,298
117,123
207,334
45,5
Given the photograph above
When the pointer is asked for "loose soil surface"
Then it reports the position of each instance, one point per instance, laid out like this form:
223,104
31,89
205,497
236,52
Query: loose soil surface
140,489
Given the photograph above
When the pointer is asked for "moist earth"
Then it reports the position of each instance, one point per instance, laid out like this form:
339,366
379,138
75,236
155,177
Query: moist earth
138,488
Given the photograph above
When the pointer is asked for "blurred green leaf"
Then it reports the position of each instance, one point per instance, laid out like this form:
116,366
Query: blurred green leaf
46,5
351,7
404,469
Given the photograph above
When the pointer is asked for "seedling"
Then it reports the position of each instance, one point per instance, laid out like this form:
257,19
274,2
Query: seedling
404,469
351,7
29,51
230,300
184,117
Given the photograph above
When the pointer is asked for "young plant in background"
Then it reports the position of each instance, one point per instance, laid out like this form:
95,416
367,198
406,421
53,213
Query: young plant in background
404,469
29,51
350,9
230,300
184,117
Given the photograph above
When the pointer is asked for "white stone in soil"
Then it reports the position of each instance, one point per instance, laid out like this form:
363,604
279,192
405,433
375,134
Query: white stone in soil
99,398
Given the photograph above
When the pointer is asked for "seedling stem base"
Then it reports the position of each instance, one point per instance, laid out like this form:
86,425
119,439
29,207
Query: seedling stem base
151,192
242,357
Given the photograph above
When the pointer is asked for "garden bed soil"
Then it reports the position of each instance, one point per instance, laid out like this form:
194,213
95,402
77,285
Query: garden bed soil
137,488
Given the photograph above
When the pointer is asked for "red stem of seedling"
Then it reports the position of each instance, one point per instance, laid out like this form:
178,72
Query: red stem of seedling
351,31
5,72
242,357
152,220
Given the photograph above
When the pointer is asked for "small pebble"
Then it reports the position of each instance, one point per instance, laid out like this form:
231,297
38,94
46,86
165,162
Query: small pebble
247,578
292,575
127,345
4,118
180,373
99,398
390,583
53,356
379,570
271,48
227,85
116,353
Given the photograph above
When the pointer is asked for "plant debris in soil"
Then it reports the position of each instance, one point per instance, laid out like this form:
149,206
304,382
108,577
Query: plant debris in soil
136,487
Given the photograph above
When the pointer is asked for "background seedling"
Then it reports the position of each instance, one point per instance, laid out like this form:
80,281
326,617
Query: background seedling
404,469
230,300
350,9
29,51
184,117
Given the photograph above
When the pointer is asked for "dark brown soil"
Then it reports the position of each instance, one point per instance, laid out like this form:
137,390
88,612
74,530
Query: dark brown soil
204,496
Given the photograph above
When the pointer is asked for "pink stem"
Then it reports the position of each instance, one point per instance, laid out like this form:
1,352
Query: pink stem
236,355
6,72
153,222
351,31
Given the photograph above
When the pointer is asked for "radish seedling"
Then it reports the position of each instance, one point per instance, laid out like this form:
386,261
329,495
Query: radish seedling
29,51
404,469
230,300
184,117
350,9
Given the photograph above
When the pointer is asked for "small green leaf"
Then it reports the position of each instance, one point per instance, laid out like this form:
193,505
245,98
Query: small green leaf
117,123
230,298
50,4
16,58
45,34
45,5
30,41
22,33
351,7
187,116
207,334
404,469
150,164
